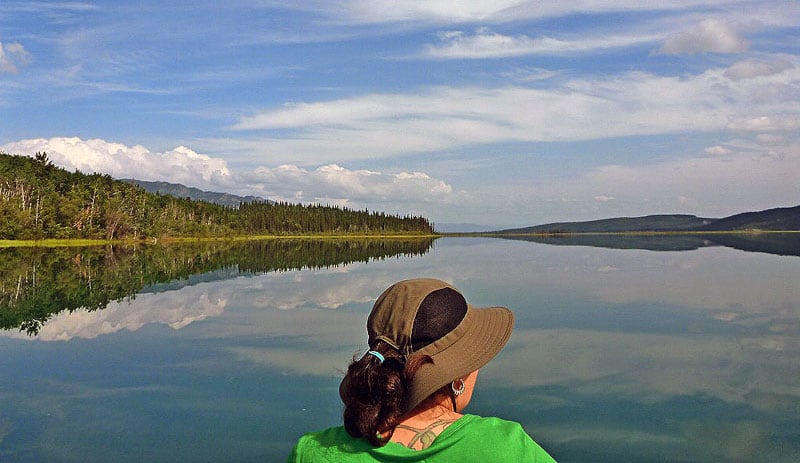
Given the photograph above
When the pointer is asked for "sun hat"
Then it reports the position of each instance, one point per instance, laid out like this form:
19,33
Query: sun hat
430,317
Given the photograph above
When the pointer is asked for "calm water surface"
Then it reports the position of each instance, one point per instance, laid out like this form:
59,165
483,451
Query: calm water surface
618,355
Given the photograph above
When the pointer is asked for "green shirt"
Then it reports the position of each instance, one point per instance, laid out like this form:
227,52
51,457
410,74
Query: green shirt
470,439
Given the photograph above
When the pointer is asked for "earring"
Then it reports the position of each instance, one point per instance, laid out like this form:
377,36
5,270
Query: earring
458,390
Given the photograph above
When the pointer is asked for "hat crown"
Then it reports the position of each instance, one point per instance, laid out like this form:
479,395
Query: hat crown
430,318
413,314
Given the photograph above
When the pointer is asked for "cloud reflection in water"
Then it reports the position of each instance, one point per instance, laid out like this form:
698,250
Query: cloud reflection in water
631,353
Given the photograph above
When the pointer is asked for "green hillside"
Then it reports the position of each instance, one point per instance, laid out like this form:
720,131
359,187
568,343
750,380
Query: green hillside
778,219
782,218
650,223
39,201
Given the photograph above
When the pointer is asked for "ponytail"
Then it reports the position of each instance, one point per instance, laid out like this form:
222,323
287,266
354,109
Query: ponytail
373,391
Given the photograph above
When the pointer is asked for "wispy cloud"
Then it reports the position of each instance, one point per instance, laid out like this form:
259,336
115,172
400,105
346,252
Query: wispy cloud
775,123
752,68
335,184
32,6
580,109
751,176
13,55
333,101
487,11
717,150
711,35
485,43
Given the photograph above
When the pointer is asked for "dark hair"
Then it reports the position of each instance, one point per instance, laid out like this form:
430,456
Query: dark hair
373,391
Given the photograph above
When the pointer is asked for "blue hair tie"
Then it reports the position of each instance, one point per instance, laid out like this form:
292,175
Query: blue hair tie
377,355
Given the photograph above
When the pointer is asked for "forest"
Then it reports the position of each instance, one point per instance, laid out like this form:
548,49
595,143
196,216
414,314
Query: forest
39,200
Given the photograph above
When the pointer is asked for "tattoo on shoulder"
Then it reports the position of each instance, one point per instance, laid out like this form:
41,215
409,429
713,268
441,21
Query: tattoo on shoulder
424,437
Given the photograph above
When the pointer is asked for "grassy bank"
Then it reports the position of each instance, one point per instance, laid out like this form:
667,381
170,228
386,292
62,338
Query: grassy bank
58,243
53,243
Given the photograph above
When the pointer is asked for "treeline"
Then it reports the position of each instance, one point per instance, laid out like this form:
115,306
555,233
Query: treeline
37,283
39,200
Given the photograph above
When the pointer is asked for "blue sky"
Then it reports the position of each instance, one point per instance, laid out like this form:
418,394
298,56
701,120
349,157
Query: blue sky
504,112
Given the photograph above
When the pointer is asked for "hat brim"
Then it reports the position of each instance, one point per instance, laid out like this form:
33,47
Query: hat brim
477,339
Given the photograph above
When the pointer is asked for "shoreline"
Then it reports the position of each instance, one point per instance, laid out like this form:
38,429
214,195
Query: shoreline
80,242
623,233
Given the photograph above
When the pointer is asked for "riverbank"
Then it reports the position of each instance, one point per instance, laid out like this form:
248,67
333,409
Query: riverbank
628,233
60,243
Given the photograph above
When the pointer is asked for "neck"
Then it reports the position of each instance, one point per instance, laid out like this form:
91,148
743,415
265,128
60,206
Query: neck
434,408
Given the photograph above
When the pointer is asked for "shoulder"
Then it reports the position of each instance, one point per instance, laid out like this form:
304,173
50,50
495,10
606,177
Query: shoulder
508,435
492,425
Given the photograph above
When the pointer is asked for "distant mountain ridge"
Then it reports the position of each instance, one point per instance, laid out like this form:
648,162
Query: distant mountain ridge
182,191
781,218
661,222
777,219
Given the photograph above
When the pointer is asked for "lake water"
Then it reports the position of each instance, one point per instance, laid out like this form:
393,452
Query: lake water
623,355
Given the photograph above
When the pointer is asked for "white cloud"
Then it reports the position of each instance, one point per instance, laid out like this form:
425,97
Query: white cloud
711,35
442,118
717,150
491,11
332,181
327,184
180,165
527,75
431,10
603,198
766,123
487,44
12,55
751,68
770,139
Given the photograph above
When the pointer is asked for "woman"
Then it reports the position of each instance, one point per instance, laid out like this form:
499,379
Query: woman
403,399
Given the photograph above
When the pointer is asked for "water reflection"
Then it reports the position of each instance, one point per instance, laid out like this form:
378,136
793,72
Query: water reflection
780,243
625,355
38,283
618,355
174,309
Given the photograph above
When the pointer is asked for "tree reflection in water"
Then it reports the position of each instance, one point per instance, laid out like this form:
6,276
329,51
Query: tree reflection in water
37,283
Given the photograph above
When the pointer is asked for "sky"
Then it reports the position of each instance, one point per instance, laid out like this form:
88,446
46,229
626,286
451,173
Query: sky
499,113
